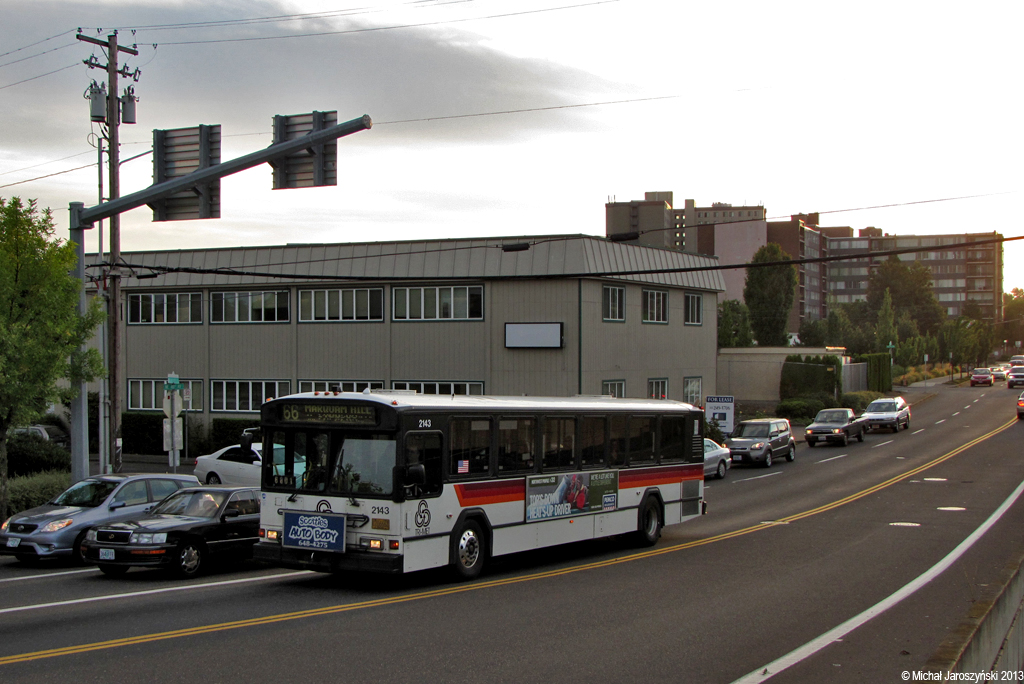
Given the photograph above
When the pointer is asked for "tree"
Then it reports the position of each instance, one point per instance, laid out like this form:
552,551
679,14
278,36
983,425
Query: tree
41,330
1012,329
768,294
734,325
885,328
813,333
910,288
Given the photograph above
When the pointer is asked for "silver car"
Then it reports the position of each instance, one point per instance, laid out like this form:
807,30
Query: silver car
761,441
891,412
716,459
56,529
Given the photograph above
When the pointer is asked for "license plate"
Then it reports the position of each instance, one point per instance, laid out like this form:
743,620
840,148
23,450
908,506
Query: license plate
106,554
13,542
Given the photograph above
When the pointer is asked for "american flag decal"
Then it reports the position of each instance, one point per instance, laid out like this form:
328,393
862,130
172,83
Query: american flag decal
463,467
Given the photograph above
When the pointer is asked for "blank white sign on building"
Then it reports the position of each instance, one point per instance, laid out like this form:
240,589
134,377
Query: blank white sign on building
533,335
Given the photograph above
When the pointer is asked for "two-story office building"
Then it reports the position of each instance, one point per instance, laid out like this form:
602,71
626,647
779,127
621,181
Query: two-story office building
549,315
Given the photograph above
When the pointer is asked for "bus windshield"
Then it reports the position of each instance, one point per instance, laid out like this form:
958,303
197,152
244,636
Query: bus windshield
332,462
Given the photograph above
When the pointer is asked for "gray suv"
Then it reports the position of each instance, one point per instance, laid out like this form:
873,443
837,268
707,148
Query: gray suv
56,529
761,441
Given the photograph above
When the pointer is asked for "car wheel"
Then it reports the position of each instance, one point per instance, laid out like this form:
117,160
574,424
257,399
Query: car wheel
768,459
468,552
188,559
906,426
791,454
213,479
846,439
113,570
860,436
811,442
77,555
649,523
720,474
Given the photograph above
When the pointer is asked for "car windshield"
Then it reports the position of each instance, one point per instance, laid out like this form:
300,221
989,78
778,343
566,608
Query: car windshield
192,504
830,417
881,407
752,430
87,493
982,371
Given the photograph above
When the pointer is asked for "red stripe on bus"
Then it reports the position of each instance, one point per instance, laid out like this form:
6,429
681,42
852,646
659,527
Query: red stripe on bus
483,493
648,477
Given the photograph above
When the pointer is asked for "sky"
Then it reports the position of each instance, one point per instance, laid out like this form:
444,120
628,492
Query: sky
524,117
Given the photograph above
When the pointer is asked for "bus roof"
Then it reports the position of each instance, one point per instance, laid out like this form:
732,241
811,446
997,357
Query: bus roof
409,399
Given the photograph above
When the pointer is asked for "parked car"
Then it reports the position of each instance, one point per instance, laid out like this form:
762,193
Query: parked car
56,529
982,376
1015,377
891,412
189,529
234,465
49,433
761,441
716,459
835,425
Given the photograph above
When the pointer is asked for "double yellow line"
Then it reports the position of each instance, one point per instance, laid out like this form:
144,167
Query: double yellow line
447,591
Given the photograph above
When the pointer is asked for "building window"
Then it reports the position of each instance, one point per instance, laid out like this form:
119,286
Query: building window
691,391
657,388
184,307
440,387
245,395
438,303
613,388
694,309
339,385
655,308
249,307
148,395
613,303
341,305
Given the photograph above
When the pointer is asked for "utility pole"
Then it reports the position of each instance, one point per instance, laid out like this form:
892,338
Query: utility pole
114,278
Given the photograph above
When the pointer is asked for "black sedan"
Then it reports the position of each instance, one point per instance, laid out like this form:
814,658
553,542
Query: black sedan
183,533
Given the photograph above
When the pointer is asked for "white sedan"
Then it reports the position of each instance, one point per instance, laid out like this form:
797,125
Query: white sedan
231,466
716,459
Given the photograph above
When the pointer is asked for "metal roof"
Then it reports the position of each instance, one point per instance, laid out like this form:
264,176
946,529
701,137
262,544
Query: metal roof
549,256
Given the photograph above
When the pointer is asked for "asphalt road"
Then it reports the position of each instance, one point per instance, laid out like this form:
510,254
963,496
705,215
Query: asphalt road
784,555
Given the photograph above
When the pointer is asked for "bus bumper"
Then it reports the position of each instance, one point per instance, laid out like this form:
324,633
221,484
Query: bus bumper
324,561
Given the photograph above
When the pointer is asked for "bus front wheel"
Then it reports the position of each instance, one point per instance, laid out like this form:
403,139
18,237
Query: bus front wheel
649,523
468,551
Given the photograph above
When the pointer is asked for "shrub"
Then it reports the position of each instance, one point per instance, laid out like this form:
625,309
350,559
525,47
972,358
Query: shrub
227,431
30,454
858,401
799,410
35,490
143,433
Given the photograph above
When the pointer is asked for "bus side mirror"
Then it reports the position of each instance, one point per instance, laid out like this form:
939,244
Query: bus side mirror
246,442
416,474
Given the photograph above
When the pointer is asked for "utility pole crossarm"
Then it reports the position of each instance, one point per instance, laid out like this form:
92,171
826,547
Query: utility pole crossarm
175,185
103,43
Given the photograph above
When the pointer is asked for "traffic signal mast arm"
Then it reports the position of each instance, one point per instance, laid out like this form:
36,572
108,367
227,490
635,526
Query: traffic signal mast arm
162,190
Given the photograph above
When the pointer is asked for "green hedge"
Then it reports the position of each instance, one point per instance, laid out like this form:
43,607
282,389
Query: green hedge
879,372
858,401
799,410
227,431
29,454
810,376
28,492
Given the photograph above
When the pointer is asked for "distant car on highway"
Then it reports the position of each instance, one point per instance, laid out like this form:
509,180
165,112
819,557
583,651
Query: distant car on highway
761,441
835,425
183,534
1015,377
57,529
890,412
1020,406
999,372
982,376
1017,360
716,459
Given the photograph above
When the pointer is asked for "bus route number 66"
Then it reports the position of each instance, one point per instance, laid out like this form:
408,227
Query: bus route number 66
424,423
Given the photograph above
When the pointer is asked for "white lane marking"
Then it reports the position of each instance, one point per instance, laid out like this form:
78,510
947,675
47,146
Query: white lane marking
967,407
951,508
904,524
826,460
759,477
837,633
940,421
882,444
152,592
49,574
934,479
917,431
957,413
976,401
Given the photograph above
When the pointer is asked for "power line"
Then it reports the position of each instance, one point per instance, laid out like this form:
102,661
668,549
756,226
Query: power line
38,54
48,73
38,42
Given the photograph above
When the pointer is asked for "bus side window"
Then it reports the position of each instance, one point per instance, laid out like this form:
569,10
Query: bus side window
425,448
469,442
592,441
641,439
516,445
673,439
617,441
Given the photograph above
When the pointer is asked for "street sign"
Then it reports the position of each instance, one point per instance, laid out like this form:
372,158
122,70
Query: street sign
172,403
173,442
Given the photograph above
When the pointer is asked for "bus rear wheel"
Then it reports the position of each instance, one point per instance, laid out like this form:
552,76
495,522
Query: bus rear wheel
468,551
649,523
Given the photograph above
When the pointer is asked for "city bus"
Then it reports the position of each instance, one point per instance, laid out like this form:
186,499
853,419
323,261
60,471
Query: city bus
395,481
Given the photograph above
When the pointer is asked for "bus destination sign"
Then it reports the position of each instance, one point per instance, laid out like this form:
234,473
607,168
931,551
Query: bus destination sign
331,414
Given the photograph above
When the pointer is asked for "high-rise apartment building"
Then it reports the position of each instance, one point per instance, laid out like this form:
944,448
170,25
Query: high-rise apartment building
972,273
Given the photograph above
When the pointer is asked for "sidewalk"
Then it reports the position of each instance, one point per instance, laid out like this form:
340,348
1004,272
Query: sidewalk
145,463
